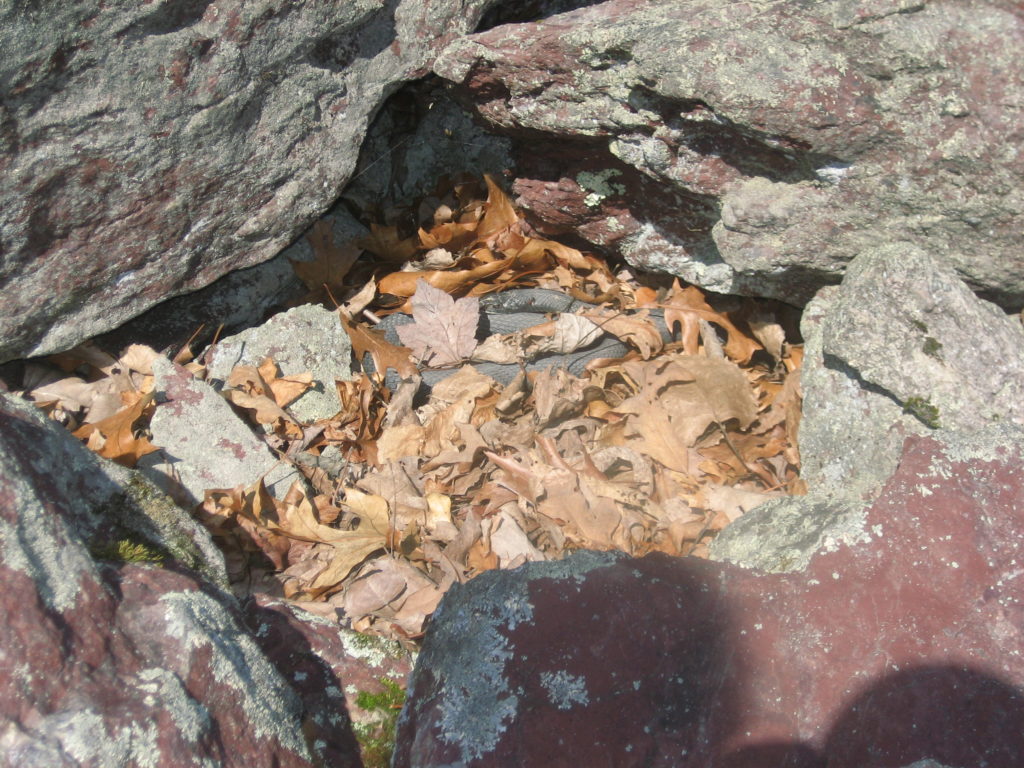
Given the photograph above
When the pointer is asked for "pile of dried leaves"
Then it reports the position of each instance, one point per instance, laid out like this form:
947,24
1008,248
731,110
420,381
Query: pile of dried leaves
656,451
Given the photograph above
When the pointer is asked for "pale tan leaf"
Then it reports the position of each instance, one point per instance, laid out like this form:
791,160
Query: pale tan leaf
400,441
733,502
679,397
443,332
636,329
297,520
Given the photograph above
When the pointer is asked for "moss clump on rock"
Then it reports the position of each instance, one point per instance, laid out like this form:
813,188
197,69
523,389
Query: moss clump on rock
377,739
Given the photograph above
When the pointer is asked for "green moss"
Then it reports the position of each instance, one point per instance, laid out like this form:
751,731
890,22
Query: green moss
377,739
922,409
919,325
129,551
932,347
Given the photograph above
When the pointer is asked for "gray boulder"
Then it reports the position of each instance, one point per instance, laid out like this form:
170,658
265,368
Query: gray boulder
901,348
149,149
756,149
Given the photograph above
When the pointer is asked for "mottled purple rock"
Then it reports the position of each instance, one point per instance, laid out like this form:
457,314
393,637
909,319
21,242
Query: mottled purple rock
328,665
105,662
756,148
149,148
906,647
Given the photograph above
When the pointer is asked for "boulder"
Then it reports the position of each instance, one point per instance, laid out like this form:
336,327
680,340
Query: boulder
149,149
305,339
203,443
756,148
117,649
903,649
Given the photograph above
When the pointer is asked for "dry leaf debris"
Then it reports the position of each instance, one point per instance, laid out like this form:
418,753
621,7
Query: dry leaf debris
654,452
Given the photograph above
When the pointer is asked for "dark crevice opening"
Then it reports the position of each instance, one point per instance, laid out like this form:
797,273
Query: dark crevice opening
531,10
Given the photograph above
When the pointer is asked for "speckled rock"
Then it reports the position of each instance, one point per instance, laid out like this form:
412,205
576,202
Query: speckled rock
756,148
107,662
306,339
905,647
147,149
203,443
329,666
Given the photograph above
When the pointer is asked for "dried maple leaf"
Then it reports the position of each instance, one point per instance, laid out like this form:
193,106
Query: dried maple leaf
443,331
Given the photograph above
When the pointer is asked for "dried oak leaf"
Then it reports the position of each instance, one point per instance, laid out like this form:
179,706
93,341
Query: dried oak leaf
443,331
296,519
385,355
687,307
114,437
678,398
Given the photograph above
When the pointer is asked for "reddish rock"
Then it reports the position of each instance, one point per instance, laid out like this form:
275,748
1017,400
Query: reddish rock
908,647
766,143
328,665
105,662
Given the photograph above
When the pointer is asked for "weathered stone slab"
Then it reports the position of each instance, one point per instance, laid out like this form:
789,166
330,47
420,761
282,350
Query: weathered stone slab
306,339
203,444
108,662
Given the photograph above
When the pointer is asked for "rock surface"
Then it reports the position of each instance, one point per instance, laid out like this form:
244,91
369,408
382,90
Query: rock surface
203,443
306,339
904,648
108,662
757,148
149,149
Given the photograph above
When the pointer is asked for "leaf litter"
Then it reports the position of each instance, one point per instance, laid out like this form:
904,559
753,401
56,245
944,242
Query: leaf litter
404,496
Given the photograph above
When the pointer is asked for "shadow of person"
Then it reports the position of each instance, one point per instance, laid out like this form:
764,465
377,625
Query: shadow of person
939,716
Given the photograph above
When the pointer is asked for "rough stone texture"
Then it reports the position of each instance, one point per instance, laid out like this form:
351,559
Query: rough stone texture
756,148
421,136
203,444
329,665
306,339
907,649
148,149
905,325
112,503
239,300
901,326
111,663
840,411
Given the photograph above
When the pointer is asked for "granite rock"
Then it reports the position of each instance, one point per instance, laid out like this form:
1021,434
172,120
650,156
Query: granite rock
148,149
305,339
203,444
757,148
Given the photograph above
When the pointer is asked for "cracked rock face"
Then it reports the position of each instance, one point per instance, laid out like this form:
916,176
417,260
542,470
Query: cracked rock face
148,149
756,149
